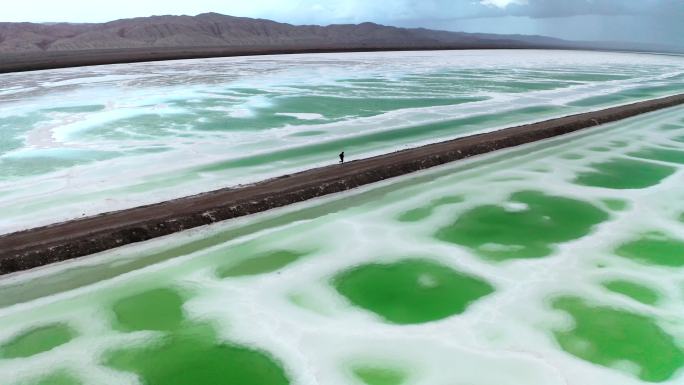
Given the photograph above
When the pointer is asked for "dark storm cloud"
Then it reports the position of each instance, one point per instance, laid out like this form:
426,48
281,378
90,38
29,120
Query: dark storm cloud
645,21
566,8
550,8
431,10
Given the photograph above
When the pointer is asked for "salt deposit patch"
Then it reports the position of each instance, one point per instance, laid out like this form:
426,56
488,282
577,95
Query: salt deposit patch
302,115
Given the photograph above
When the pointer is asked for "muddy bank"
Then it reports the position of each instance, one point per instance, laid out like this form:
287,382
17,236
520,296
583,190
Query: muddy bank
40,246
35,61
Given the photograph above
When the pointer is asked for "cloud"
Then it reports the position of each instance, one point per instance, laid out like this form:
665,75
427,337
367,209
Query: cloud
501,3
546,8
563,8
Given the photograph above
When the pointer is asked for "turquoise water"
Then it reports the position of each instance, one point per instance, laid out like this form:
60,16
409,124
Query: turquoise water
81,141
549,264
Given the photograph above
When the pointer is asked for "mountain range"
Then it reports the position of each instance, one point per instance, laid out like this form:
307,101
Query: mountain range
216,30
29,46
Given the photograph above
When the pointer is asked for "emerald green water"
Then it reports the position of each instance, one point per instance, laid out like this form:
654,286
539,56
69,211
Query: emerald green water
542,221
189,352
194,357
654,248
616,204
624,174
418,214
374,140
38,340
158,309
371,375
633,290
608,336
410,291
625,96
59,378
665,155
266,263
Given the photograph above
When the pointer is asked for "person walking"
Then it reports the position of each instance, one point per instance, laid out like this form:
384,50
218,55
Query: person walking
342,157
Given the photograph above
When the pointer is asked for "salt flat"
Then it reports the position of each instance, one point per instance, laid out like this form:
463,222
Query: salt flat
553,263
87,140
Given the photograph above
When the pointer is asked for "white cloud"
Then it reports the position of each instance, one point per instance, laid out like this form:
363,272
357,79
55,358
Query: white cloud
501,3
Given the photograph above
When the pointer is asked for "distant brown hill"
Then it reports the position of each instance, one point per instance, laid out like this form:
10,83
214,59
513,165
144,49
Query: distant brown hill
31,46
216,30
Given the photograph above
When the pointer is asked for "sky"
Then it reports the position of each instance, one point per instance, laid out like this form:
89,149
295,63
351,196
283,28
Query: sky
644,21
